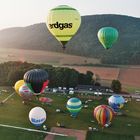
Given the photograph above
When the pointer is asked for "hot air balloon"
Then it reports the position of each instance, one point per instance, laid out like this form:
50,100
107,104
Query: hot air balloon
25,92
103,114
116,102
37,116
45,100
74,106
36,80
107,36
63,22
17,85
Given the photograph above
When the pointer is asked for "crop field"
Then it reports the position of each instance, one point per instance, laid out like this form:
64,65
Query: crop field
14,112
127,76
46,57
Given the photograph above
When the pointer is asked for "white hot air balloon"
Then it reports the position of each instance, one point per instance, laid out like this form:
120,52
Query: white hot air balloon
25,92
37,116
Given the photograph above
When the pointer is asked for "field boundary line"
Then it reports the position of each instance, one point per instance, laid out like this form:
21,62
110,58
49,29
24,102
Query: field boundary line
8,97
32,130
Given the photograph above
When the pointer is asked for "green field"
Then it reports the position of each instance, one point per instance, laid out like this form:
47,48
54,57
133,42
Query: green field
14,134
107,136
13,112
64,138
131,89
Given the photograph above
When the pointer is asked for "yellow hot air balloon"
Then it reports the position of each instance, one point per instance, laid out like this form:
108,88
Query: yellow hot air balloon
17,85
63,22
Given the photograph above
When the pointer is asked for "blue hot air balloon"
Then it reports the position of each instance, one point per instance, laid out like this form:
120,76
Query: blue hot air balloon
116,102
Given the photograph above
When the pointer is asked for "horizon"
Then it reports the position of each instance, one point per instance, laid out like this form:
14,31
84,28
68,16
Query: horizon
17,13
81,16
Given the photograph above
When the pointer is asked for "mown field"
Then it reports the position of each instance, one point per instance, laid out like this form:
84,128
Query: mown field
13,112
46,57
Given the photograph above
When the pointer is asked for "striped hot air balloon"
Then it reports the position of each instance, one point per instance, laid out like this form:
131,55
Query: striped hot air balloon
103,114
116,102
36,80
63,22
107,36
74,106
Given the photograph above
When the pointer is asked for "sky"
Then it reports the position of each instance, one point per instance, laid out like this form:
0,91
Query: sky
19,13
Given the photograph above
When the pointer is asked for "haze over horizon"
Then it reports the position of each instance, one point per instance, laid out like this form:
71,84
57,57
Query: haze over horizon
17,13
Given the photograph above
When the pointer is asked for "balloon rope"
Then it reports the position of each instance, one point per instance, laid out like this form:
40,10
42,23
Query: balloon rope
33,130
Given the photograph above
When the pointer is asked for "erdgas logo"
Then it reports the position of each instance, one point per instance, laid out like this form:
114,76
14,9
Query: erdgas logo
61,26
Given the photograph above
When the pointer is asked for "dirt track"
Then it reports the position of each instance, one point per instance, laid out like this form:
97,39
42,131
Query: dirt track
79,134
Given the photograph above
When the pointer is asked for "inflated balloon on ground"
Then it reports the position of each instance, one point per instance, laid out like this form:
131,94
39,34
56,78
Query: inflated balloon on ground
37,116
25,92
18,84
116,102
36,80
103,114
74,106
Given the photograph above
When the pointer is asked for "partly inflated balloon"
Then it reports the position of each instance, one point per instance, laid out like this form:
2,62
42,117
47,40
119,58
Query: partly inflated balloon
45,100
116,102
36,80
17,85
37,116
74,106
25,92
107,36
63,22
103,114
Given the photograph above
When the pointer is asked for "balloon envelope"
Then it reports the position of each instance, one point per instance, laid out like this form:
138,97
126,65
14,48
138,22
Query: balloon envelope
45,100
17,85
107,36
103,114
25,92
116,102
63,22
36,80
37,116
74,106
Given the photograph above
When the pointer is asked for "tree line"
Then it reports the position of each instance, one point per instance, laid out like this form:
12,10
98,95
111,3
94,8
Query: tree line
10,72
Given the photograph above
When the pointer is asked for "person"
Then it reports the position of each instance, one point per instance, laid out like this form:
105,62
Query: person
44,127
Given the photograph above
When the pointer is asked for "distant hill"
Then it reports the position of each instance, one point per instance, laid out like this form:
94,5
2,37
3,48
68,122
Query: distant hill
85,42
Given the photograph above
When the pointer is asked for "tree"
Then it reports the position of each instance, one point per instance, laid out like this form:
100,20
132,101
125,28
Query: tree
14,75
116,86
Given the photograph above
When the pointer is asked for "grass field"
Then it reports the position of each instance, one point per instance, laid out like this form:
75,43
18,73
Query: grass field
14,134
13,112
64,138
131,89
106,136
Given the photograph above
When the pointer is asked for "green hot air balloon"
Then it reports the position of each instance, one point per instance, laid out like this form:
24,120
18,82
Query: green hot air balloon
107,36
63,22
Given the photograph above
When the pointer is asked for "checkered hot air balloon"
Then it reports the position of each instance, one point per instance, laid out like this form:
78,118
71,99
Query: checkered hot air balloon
74,106
103,114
